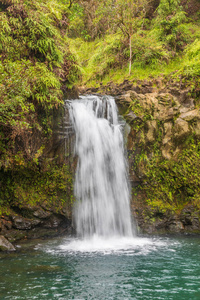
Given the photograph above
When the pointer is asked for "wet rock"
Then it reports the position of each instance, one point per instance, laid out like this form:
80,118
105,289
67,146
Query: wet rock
5,245
54,221
7,224
190,218
41,214
176,226
24,223
14,235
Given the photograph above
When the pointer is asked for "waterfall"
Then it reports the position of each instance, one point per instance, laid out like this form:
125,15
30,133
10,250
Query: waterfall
101,183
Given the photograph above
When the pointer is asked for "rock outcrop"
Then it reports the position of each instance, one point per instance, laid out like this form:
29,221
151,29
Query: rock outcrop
5,245
163,115
163,122
35,222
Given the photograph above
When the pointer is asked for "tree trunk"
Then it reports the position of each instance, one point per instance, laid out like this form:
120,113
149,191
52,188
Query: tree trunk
130,58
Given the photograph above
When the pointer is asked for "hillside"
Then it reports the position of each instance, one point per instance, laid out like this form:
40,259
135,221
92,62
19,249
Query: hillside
37,69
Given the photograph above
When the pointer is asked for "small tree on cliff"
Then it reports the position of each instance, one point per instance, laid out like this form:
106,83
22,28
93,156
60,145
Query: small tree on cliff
126,15
129,15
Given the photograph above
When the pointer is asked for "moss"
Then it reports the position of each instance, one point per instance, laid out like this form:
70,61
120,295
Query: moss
50,187
172,184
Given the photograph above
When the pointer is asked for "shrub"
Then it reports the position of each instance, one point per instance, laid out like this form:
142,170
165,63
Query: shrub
191,64
170,15
147,50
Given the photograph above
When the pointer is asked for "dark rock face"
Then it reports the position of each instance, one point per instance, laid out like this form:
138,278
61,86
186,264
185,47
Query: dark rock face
186,222
39,223
190,218
23,223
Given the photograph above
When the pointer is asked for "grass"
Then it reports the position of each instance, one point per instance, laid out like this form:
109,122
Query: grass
106,59
138,73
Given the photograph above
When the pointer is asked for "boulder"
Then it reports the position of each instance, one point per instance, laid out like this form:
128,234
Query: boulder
151,133
190,115
176,227
5,245
181,128
167,133
149,102
54,221
166,151
124,99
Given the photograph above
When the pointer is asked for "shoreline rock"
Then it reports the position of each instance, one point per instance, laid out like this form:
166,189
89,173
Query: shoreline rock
5,245
40,223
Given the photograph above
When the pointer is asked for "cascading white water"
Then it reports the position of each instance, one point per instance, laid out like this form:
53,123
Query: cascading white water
101,183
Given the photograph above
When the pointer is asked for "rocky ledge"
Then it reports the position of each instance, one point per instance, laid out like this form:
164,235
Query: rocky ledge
31,222
149,221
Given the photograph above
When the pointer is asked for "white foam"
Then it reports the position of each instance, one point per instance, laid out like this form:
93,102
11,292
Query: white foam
114,245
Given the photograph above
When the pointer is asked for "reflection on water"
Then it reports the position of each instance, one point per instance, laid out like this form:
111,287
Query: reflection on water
137,268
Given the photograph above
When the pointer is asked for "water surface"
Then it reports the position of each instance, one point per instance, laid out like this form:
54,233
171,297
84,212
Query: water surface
117,268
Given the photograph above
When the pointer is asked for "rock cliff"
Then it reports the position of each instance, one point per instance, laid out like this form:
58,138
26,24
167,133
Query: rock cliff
163,150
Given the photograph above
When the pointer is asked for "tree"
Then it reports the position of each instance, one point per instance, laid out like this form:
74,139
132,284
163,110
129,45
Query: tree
128,16
170,16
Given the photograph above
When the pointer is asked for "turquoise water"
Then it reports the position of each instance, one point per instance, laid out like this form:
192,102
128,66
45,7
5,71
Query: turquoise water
137,268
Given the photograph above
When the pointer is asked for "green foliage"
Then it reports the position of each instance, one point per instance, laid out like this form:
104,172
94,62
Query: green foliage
108,54
170,16
111,53
158,38
77,25
155,50
171,184
52,187
35,65
98,57
191,65
146,50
